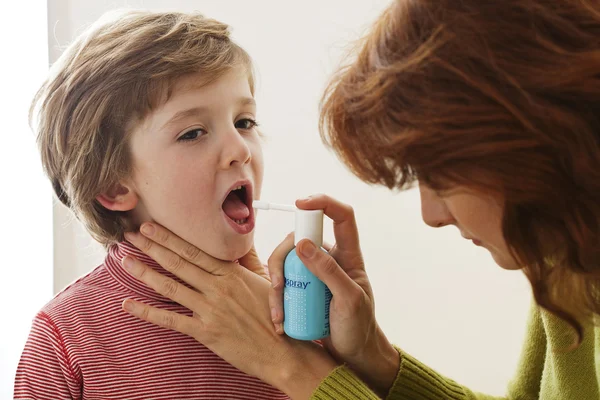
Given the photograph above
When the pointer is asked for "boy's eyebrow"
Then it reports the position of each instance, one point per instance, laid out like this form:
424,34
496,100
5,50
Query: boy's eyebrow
195,111
246,101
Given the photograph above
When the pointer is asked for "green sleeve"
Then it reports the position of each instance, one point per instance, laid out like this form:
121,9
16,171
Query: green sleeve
342,384
416,381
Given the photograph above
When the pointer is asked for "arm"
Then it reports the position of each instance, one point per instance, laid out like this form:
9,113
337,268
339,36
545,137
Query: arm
232,317
415,380
356,338
44,371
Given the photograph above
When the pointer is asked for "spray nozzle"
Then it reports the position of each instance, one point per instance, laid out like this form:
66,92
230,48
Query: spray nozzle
264,205
309,223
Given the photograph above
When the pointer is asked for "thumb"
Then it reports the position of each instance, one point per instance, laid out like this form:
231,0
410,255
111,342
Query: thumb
327,270
251,262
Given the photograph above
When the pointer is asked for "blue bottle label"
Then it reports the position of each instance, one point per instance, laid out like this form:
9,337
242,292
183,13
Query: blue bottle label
296,298
305,301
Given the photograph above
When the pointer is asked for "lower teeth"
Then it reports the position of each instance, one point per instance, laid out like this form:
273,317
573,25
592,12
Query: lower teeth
241,221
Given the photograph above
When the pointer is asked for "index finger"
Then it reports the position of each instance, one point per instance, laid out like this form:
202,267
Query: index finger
187,251
344,221
164,285
170,261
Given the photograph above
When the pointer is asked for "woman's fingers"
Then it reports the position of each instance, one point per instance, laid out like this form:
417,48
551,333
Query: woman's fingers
167,319
175,246
196,275
344,222
326,268
275,264
164,285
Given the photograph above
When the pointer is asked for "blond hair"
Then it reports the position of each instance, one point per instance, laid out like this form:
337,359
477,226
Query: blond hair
114,74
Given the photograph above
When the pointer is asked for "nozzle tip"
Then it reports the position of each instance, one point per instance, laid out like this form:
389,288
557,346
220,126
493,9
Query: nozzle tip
261,205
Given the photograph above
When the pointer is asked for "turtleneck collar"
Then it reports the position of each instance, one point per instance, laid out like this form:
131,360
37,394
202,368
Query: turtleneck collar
113,264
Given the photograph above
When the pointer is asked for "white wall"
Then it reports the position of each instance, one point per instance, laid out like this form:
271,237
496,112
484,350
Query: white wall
25,196
437,295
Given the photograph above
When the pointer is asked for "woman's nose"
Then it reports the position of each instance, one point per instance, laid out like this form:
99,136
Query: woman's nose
434,211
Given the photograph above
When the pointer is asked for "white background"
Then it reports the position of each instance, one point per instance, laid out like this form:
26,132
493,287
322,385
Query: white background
438,296
25,197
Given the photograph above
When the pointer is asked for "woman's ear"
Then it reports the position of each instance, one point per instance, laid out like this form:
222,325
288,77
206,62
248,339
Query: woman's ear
121,197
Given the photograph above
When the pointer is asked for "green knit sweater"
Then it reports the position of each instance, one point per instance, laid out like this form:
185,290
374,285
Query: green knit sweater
546,370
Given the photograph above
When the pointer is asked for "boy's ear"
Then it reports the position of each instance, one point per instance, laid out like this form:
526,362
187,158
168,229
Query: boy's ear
121,197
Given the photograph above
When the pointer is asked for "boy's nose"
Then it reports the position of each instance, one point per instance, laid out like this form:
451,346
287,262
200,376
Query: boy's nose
235,150
434,211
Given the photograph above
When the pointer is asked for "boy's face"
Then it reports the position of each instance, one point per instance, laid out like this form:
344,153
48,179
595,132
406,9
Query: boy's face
191,154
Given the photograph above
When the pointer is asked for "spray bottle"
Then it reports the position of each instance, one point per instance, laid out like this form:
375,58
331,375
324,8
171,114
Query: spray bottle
305,298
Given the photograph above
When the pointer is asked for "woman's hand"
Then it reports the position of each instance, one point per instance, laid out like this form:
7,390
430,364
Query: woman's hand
231,311
356,338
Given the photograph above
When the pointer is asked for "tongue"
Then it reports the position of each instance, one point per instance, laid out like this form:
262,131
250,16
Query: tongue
235,208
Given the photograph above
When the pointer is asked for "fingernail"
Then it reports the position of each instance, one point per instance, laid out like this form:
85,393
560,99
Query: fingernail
279,328
129,306
308,249
273,314
128,262
148,229
305,198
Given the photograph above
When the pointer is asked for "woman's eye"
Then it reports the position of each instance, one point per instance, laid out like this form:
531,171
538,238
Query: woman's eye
246,123
191,135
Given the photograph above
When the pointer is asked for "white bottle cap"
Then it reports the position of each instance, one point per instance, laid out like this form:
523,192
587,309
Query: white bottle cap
309,225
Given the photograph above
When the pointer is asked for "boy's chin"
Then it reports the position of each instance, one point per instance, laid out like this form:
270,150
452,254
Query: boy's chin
233,256
233,252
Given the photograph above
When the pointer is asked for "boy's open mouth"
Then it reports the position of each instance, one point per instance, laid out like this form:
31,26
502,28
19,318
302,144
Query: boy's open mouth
236,205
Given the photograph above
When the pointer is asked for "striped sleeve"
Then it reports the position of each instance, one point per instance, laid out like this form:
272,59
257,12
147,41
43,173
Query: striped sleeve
44,371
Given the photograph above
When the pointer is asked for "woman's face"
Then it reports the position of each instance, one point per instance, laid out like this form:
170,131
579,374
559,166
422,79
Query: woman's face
477,216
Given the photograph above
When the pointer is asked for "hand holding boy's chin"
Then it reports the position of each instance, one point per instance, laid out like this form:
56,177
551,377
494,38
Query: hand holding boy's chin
231,314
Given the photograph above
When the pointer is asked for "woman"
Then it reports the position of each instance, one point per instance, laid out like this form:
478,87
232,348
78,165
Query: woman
494,109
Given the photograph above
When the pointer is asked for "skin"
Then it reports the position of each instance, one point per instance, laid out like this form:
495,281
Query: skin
356,337
239,329
477,216
183,168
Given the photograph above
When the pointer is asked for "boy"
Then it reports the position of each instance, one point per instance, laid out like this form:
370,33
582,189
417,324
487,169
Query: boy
146,117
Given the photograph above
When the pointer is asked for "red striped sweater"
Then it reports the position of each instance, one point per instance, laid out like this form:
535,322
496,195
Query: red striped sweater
83,346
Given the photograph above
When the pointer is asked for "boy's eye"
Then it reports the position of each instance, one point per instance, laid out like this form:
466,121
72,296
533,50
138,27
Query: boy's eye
191,135
246,123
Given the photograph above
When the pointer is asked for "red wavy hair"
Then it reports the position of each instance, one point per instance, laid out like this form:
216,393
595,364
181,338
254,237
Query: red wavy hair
501,97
